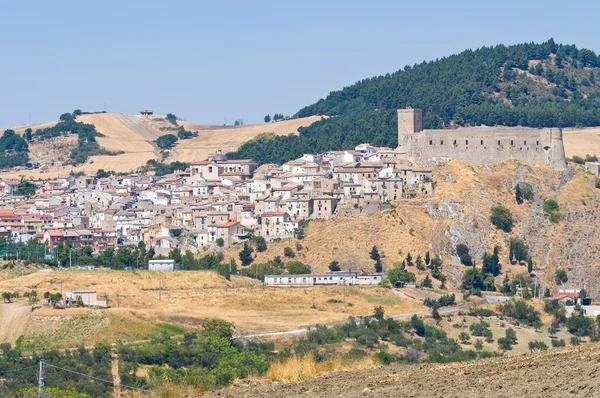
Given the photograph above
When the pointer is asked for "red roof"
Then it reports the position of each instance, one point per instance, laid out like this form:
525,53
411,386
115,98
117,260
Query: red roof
55,233
227,224
273,213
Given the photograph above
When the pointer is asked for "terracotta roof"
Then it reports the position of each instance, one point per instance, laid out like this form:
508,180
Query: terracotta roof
273,213
227,224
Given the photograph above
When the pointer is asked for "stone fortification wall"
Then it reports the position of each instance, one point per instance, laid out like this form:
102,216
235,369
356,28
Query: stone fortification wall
481,145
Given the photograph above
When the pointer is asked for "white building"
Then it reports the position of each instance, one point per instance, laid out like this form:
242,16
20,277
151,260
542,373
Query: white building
330,278
161,265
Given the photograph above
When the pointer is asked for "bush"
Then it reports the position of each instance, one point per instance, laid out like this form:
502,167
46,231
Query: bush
551,209
481,312
166,141
597,185
561,276
289,252
558,343
334,266
501,217
220,242
480,328
412,355
521,311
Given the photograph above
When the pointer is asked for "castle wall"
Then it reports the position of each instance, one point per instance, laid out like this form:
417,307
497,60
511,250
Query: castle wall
483,145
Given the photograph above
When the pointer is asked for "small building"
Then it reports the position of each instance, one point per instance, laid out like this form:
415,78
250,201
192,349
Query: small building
593,167
329,278
161,265
88,297
146,112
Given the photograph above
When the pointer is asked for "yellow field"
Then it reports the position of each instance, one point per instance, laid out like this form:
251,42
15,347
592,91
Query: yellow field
134,135
188,298
582,142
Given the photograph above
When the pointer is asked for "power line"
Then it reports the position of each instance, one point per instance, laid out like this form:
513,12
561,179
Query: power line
17,370
96,378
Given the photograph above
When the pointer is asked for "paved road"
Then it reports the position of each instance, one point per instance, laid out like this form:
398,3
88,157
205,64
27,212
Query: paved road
304,329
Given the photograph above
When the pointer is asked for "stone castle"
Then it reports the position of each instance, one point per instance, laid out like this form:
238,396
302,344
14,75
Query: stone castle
478,145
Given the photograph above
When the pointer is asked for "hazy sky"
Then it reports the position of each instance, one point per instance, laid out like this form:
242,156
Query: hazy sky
205,61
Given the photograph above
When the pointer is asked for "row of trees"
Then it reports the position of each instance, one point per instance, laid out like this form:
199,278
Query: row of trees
276,118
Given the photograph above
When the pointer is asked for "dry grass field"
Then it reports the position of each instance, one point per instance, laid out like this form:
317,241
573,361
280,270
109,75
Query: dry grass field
134,135
186,300
582,141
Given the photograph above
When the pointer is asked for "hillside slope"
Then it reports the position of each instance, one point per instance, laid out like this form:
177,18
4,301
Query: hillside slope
554,373
535,85
135,135
458,212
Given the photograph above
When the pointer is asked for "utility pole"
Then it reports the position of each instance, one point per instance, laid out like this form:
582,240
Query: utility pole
70,265
344,291
159,287
41,378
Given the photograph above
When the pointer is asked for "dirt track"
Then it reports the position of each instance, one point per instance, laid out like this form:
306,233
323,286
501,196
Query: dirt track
570,372
13,321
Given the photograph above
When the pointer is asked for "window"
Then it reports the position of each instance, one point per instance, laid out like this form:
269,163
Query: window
210,169
441,142
537,143
454,142
524,142
512,142
481,142
498,142
466,142
430,142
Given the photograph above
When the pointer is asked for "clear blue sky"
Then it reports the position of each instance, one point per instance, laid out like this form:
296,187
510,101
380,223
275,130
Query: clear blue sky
205,61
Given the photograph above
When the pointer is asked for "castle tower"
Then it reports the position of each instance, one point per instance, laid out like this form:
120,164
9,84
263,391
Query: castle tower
410,121
558,159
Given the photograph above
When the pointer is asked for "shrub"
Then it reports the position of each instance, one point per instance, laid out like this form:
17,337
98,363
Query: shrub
561,276
166,141
521,311
412,355
558,343
551,209
575,340
480,328
288,252
220,242
501,217
481,312
464,337
597,185
537,346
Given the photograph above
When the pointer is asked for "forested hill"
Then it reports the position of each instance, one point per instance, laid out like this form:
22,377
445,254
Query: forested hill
537,85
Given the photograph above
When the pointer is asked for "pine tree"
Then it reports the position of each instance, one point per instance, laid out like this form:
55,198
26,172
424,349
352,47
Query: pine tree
408,259
375,256
246,255
427,259
529,265
518,195
427,282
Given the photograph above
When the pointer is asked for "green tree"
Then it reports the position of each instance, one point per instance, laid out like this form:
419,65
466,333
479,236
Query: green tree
334,266
220,242
501,217
409,259
25,188
296,267
427,259
260,243
561,276
374,254
267,118
427,282
288,252
246,255
551,209
518,195
174,254
462,251
530,265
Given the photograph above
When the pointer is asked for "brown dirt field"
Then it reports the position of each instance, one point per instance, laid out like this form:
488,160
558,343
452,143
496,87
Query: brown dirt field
582,142
13,320
569,372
